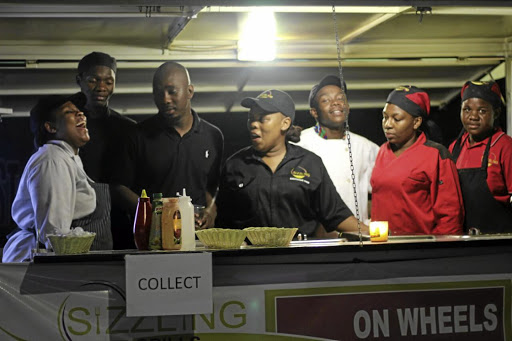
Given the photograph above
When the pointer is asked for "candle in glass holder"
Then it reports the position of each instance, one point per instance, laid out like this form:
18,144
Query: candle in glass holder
379,231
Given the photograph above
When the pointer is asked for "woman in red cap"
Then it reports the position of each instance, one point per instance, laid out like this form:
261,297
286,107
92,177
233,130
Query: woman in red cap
414,181
483,154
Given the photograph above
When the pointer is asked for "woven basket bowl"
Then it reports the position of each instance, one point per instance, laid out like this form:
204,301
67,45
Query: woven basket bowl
70,245
270,236
217,238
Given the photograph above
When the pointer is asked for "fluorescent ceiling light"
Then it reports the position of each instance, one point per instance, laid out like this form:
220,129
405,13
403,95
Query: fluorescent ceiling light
258,39
311,9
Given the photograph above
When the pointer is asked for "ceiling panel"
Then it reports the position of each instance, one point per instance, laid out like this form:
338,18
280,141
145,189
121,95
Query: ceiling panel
381,47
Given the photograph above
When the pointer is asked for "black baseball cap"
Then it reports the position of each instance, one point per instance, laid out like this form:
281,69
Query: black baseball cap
272,101
42,111
327,80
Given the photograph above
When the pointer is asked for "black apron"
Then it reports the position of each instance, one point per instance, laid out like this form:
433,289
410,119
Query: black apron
483,211
99,220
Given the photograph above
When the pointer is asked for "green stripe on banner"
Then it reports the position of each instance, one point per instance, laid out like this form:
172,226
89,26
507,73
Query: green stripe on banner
11,335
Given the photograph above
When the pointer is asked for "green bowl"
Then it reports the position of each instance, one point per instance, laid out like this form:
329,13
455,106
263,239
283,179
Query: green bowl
70,245
270,236
217,238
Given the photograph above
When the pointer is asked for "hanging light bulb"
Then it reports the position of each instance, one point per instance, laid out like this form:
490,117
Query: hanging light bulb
258,39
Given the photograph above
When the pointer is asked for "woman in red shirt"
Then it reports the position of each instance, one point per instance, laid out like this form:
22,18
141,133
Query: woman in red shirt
415,186
483,154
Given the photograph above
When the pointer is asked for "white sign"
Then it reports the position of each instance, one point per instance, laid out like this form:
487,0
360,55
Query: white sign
169,284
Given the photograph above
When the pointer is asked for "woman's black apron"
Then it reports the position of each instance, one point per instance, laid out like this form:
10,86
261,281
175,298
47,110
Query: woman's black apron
99,220
483,211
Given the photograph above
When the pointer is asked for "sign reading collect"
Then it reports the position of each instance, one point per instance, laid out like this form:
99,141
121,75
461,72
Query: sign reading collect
168,284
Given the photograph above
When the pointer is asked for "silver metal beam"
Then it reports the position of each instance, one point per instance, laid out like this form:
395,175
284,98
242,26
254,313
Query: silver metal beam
303,50
283,3
89,11
369,24
470,10
208,109
353,63
456,92
179,24
353,85
136,10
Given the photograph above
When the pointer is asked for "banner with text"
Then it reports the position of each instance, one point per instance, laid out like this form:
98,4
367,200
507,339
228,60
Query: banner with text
88,302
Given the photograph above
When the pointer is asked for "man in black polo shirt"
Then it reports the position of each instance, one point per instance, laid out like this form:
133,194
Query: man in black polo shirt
174,149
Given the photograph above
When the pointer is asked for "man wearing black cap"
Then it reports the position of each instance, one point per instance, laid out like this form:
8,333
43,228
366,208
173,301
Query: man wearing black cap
55,193
174,149
97,80
328,139
275,183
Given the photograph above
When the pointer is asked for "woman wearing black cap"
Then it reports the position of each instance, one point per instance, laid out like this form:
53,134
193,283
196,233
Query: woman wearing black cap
414,181
54,191
483,154
275,183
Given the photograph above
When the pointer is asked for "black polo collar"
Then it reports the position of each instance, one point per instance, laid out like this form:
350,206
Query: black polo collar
292,152
196,125
163,124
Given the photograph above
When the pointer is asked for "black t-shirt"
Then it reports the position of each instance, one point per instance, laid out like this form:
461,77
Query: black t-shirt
107,134
158,159
299,194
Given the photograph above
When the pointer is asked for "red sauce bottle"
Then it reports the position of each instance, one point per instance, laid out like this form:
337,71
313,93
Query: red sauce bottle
142,223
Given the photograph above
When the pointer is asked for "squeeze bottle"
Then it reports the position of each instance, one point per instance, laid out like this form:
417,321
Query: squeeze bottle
188,229
171,224
142,223
155,233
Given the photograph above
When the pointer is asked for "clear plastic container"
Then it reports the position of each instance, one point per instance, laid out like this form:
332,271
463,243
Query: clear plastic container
188,236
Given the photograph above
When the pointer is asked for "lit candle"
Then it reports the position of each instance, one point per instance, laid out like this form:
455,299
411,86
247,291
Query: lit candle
379,231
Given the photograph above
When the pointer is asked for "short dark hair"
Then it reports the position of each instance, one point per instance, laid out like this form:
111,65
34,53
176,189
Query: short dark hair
97,59
293,133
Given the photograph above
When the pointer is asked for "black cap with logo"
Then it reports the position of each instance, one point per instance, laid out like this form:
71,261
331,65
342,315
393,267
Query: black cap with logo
272,101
